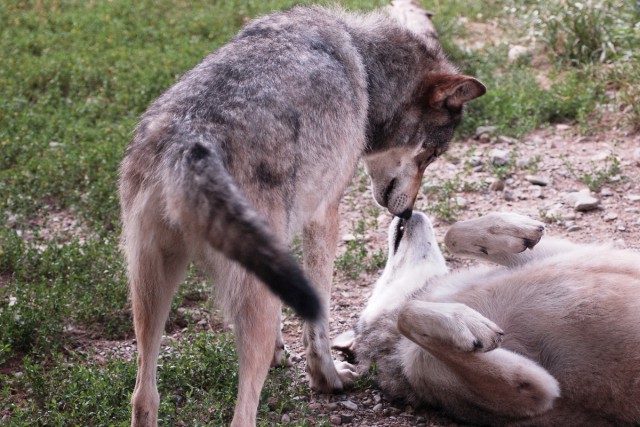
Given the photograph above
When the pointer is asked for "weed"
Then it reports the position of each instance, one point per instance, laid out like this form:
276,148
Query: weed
596,176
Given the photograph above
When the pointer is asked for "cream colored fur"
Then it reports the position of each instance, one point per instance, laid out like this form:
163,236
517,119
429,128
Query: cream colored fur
551,338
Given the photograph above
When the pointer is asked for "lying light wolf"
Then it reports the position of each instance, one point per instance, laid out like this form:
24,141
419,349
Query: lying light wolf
551,339
258,143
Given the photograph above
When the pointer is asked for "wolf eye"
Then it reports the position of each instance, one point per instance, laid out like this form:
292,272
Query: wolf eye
398,234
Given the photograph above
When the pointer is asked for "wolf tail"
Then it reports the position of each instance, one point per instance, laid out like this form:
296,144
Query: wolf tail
207,195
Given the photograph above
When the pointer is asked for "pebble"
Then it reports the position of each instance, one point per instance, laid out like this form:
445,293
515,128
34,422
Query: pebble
285,418
636,156
537,180
497,185
508,195
516,52
500,157
377,408
335,420
574,228
482,130
633,197
507,140
349,405
583,201
611,216
346,418
606,192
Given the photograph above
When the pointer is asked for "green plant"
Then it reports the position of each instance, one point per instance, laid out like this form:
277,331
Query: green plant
596,176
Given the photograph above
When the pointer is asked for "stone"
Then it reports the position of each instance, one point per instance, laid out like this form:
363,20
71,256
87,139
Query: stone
583,201
346,417
611,216
502,139
285,418
335,420
508,195
574,228
482,130
349,405
497,185
500,157
634,197
606,192
516,52
377,408
537,180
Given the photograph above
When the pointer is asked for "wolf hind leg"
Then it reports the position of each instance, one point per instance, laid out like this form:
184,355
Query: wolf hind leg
497,380
157,262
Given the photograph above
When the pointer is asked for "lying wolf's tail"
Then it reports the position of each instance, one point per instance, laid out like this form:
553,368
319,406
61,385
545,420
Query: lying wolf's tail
208,195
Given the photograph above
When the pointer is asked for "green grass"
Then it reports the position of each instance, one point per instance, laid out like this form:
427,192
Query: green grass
74,78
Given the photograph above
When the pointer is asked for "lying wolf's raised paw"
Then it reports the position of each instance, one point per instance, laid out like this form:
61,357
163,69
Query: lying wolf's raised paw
449,325
494,234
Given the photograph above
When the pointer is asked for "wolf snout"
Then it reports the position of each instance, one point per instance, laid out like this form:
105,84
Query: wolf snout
406,214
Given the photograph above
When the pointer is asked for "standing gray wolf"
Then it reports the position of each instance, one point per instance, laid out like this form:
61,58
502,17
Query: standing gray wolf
551,339
258,143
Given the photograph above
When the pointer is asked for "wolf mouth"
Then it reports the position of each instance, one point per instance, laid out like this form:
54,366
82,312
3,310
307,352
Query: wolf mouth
398,234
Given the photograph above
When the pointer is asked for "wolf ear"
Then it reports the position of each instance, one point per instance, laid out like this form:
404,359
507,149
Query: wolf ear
452,90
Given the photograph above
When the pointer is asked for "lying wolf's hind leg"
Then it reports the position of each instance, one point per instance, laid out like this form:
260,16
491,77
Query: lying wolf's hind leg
498,237
501,382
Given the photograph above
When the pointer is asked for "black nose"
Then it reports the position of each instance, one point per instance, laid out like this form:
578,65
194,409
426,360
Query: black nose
406,214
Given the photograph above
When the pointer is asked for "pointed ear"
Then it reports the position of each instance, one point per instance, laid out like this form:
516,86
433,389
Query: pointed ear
452,90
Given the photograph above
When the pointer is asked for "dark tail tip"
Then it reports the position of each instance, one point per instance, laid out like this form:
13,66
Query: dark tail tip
287,280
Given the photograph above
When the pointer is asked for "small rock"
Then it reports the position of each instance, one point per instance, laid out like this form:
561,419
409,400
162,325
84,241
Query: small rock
636,156
508,195
461,202
562,127
475,161
611,216
377,408
377,398
606,192
506,140
285,418
500,157
516,52
537,180
574,228
335,420
348,237
583,201
482,130
622,228
346,417
332,406
633,197
315,406
349,405
497,185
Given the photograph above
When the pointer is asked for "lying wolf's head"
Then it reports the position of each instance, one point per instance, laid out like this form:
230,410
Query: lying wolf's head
415,138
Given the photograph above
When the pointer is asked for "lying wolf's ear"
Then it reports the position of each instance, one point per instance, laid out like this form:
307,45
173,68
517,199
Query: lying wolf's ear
452,90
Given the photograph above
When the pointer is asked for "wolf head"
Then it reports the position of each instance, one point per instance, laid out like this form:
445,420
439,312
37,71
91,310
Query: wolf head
416,138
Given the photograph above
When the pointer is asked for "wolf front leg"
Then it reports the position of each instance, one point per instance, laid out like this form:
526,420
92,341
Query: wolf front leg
320,241
481,379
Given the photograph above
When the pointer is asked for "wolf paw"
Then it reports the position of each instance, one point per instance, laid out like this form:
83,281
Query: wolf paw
334,379
494,233
448,325
478,334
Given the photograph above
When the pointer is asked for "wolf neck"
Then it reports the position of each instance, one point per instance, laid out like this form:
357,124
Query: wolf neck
397,63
